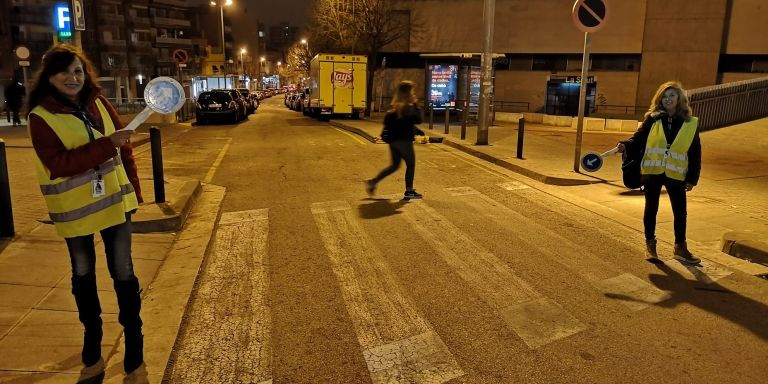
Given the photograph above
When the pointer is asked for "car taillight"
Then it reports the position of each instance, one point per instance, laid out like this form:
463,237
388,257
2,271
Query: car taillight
232,105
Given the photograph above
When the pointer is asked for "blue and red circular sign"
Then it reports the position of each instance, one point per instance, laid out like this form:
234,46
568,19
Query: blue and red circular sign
590,15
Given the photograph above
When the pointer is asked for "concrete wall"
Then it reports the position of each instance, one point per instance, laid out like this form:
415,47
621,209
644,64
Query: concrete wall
682,41
523,26
747,25
729,77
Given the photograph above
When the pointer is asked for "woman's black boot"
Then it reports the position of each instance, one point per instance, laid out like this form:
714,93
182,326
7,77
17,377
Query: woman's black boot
129,301
89,311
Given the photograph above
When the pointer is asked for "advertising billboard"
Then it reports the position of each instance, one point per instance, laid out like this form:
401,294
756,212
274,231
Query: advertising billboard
443,80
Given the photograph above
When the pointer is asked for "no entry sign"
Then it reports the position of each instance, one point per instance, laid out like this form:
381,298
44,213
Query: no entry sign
590,15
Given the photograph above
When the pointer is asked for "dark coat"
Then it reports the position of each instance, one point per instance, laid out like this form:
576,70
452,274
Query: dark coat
635,145
402,127
14,95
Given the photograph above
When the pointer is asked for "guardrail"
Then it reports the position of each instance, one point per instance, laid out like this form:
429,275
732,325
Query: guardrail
726,104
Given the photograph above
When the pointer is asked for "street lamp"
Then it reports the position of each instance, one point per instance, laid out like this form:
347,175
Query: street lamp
305,42
261,79
242,66
221,9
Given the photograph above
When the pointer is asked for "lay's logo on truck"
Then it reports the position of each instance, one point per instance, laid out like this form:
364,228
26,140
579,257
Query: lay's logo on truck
342,79
337,86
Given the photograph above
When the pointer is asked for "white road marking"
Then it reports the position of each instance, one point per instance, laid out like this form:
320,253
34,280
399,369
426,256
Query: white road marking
537,320
514,185
227,339
398,344
632,291
351,135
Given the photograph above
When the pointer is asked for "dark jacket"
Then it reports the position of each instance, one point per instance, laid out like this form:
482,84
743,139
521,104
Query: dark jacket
14,94
404,126
62,162
635,145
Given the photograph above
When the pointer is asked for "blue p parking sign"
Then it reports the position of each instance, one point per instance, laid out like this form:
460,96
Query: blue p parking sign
591,161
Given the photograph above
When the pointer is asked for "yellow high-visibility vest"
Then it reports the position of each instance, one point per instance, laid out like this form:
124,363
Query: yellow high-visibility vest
669,159
71,204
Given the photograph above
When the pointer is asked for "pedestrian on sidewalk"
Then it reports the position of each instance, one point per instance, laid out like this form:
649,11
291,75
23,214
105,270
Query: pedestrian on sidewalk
14,98
88,177
399,131
669,145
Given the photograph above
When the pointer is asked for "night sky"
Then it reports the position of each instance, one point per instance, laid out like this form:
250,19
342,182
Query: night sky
273,12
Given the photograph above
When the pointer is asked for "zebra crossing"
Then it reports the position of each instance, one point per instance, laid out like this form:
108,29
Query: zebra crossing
397,341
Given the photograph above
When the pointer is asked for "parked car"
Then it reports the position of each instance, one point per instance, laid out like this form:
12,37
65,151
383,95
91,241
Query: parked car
240,100
252,102
216,105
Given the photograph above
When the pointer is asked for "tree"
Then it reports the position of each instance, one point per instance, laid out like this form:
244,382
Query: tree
297,59
364,26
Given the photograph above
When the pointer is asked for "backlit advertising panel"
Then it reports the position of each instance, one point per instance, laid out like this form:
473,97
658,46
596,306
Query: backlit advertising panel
442,84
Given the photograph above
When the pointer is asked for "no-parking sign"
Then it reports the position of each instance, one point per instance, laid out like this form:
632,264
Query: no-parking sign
590,15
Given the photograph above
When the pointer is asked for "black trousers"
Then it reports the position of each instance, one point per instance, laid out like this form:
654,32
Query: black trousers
677,197
400,150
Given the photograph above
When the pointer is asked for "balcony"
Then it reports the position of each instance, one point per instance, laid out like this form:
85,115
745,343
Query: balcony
177,3
111,19
173,41
169,22
141,46
114,43
142,21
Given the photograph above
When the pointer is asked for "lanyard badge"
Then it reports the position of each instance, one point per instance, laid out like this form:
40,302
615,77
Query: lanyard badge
97,186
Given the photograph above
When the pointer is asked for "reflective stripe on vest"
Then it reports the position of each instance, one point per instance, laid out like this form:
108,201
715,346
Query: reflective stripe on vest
71,205
672,161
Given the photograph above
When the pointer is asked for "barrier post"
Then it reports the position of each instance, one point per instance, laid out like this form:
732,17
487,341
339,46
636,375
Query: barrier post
447,119
157,164
431,115
6,210
520,131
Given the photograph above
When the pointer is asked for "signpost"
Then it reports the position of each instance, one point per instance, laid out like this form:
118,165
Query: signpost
589,16
22,53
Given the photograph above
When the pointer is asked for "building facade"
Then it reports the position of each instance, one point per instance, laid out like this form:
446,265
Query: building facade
643,44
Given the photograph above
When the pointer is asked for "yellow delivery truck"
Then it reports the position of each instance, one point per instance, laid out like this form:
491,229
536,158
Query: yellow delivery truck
337,85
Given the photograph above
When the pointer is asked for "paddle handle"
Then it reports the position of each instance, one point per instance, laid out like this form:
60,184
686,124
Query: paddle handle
610,152
140,118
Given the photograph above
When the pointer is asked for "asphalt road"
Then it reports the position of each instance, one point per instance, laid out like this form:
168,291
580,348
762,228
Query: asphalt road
492,278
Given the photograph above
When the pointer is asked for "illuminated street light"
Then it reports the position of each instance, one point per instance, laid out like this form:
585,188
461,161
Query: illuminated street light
242,65
261,78
221,10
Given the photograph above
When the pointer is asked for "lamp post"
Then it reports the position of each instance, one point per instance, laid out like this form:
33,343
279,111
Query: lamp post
242,67
279,63
261,79
221,11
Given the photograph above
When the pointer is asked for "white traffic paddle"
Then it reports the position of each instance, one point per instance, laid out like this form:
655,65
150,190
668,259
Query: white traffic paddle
593,161
162,95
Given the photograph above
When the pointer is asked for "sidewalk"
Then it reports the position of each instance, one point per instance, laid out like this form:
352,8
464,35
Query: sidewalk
40,335
727,211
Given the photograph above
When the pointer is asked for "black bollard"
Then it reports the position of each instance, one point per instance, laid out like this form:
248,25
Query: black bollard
520,131
6,211
431,115
464,121
157,164
447,119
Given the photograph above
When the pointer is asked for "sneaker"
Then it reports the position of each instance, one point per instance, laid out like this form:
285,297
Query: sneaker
412,195
683,255
92,373
370,187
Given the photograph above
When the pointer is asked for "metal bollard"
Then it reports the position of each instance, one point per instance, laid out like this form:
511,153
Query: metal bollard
157,164
431,115
6,210
520,131
447,119
464,121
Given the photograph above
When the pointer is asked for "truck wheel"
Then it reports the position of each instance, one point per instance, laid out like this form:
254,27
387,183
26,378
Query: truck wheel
356,115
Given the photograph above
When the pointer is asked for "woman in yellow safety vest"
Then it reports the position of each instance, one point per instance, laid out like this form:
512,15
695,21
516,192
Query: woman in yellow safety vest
670,151
88,178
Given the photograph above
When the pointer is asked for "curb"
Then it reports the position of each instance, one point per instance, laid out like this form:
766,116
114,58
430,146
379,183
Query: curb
745,245
174,214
